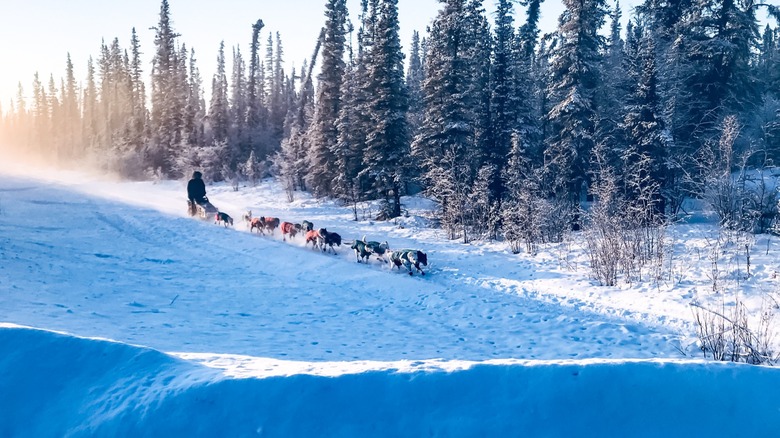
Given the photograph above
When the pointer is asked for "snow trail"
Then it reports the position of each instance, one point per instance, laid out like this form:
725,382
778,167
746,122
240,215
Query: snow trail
96,267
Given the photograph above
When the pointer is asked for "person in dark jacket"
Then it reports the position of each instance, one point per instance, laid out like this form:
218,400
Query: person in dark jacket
196,191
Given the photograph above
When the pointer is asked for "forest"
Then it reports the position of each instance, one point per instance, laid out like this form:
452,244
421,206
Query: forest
516,135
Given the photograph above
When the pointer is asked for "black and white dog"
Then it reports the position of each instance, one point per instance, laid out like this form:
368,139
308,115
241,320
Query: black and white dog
361,253
329,239
223,218
376,248
409,258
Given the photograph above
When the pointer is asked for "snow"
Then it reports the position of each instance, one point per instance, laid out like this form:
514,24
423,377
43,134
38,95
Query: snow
214,331
101,388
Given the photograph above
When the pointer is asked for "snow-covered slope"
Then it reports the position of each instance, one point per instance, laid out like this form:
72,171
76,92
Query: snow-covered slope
58,385
208,331
96,267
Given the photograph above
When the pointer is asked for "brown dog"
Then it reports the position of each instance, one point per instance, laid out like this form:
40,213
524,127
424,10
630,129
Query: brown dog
270,223
314,237
291,229
256,222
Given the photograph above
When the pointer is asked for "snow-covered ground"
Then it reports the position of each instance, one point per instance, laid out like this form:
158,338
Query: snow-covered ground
267,337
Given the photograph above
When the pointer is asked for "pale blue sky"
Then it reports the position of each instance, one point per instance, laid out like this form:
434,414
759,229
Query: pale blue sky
36,35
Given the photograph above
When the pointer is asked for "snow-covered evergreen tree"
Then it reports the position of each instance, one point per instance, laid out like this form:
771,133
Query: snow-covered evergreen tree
646,172
137,125
291,162
504,101
415,74
275,78
90,110
575,78
324,136
716,39
354,119
387,142
478,59
54,118
255,94
195,110
238,110
521,210
446,144
219,109
611,95
253,169
165,115
528,84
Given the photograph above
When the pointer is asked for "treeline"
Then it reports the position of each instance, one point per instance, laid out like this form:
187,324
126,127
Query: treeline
508,130
159,124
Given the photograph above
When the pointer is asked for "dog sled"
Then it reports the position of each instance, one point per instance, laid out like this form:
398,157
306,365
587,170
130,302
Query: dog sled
204,210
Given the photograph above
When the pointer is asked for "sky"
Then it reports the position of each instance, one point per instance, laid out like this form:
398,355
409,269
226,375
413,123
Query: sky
37,35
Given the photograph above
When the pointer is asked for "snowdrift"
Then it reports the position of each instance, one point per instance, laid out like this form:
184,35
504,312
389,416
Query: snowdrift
59,385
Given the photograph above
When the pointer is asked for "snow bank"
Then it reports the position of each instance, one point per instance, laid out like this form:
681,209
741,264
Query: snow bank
56,385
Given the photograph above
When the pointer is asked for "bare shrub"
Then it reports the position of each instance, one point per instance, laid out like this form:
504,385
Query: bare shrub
233,177
730,332
624,230
728,335
365,210
603,243
291,163
743,198
254,169
450,181
282,167
557,217
483,212
530,216
522,227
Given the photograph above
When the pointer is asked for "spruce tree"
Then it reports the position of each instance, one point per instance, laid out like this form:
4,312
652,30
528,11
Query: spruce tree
646,174
528,85
219,108
575,77
387,142
164,113
611,96
40,115
446,144
716,40
504,101
347,184
255,94
71,111
54,127
90,111
137,95
278,103
238,110
324,131
415,74
196,107
354,118
478,57
768,62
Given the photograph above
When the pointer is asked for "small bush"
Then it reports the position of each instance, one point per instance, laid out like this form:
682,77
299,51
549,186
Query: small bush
728,335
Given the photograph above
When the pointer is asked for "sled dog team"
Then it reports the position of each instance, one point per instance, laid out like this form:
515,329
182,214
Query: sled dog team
325,240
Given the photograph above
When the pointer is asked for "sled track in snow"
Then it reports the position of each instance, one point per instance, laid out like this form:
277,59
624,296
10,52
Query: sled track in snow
141,276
